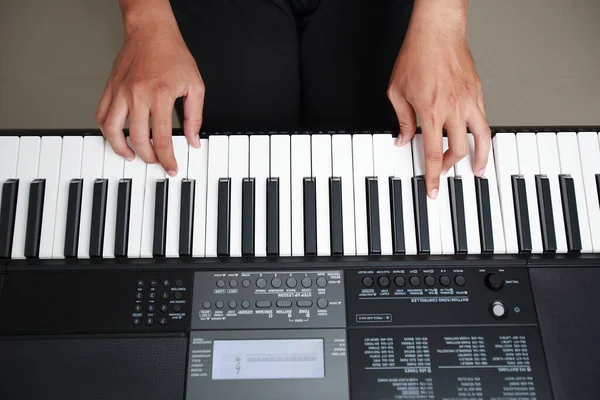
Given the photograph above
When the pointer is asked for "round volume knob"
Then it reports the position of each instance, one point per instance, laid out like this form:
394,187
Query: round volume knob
498,310
494,282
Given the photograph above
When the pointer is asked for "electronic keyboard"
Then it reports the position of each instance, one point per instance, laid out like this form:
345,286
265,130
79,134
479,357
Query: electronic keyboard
299,265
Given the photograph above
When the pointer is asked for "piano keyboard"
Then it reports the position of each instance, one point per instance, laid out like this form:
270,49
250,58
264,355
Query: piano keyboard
290,195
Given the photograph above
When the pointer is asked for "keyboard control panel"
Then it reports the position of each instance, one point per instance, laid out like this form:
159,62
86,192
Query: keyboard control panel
270,300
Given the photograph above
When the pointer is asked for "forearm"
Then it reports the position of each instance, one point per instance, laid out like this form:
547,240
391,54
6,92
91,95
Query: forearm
440,16
139,13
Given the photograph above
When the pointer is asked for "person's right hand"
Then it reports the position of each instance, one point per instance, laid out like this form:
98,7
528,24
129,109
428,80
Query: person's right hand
152,70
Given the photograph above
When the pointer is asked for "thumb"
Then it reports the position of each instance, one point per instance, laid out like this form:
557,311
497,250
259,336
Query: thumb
407,119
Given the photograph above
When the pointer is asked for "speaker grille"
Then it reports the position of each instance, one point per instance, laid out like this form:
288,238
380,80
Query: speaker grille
93,368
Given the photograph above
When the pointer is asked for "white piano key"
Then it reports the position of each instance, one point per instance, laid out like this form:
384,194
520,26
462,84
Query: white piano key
321,171
446,233
154,172
180,149
362,154
49,169
113,171
281,168
92,165
198,170
507,164
341,150
403,169
239,149
9,152
497,225
529,168
70,168
27,171
218,160
464,169
570,163
260,169
433,214
301,168
550,166
136,171
589,153
383,169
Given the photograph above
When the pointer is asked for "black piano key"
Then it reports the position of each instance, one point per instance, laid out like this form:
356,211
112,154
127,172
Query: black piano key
484,212
37,191
8,209
73,218
598,186
98,217
544,198
569,203
310,217
521,213
336,216
248,216
373,225
186,219
273,216
223,217
123,213
457,209
159,244
398,243
421,217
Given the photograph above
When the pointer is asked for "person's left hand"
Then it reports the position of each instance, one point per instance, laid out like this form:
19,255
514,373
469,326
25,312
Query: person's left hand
435,77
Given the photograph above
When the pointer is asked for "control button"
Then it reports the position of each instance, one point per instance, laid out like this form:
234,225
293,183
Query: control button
460,280
263,304
415,280
165,295
153,283
232,304
306,282
152,296
177,307
220,283
137,308
136,321
139,295
284,303
151,308
498,310
219,304
384,281
162,321
304,303
179,283
206,305
166,283
321,282
367,281
322,303
445,280
276,283
178,295
291,282
429,280
233,283
494,282
400,281
164,308
261,283
140,284
150,321
245,304
246,283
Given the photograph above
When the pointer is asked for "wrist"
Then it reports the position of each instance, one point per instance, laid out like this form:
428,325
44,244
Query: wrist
440,16
146,15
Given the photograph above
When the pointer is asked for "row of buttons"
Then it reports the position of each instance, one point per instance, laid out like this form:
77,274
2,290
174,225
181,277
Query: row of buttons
400,281
150,321
164,295
261,283
152,308
165,283
219,304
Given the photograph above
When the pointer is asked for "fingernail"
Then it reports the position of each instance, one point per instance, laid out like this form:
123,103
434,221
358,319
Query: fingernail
482,172
130,158
444,172
399,140
433,194
197,140
171,173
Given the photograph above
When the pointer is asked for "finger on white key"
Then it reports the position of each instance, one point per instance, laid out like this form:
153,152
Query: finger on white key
49,169
113,172
92,165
